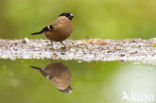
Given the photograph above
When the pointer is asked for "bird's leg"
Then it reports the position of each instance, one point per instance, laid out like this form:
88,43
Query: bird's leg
72,44
51,44
63,45
52,49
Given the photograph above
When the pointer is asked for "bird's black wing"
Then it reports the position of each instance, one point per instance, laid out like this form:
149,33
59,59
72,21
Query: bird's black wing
47,28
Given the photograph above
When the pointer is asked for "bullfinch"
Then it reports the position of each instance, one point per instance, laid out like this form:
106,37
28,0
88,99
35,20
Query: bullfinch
59,75
58,30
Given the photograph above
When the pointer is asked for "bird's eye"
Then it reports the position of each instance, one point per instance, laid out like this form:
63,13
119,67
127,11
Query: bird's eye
51,27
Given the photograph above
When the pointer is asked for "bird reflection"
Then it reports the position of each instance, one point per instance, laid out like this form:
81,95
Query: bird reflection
59,75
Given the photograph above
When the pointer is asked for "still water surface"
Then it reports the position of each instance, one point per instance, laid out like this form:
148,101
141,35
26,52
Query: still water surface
101,82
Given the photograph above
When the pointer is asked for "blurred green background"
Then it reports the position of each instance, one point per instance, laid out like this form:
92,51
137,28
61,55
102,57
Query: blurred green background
112,19
103,82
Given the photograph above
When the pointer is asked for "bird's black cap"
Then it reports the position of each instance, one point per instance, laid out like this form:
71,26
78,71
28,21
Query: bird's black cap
68,15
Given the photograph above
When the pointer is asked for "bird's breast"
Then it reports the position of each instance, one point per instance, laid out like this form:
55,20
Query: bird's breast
60,32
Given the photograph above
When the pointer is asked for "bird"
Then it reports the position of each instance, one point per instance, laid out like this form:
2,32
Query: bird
58,30
58,74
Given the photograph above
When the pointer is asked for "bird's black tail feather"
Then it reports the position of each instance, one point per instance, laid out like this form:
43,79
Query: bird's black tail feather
41,70
36,33
36,68
42,31
47,28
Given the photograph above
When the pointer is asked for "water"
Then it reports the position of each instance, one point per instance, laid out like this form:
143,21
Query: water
110,82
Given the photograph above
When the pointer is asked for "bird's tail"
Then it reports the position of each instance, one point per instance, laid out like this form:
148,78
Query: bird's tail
36,68
47,28
36,33
41,70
